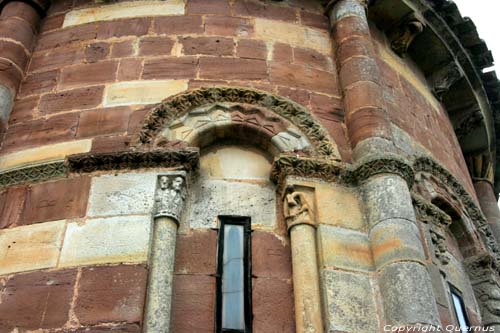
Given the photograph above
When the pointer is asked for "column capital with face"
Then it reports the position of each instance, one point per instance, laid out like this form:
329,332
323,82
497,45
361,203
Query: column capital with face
170,196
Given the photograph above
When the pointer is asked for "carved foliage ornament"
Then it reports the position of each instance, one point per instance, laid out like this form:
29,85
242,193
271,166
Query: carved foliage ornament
177,106
170,196
33,173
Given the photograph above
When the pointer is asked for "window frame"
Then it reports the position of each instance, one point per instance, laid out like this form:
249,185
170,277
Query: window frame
247,271
456,292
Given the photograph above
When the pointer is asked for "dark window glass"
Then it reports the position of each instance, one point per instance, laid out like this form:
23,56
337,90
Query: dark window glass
233,312
459,307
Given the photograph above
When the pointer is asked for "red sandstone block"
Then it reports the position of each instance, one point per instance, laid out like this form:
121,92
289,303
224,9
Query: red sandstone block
64,37
54,129
252,49
17,30
36,300
111,294
82,98
57,200
23,110
88,74
351,26
170,68
330,108
123,49
136,119
217,46
311,58
39,83
193,303
23,11
103,121
129,69
359,69
282,53
115,328
11,206
56,58
314,20
354,47
196,253
194,84
232,69
126,27
96,51
10,75
269,11
13,52
104,144
60,6
156,46
272,305
367,123
178,25
270,257
297,95
295,76
228,26
363,94
52,22
215,7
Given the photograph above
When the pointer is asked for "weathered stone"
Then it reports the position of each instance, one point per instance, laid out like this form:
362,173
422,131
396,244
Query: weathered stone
6,103
11,205
387,197
271,256
62,199
122,194
338,206
36,300
407,292
294,34
196,252
30,247
211,198
349,301
123,10
43,154
345,249
272,303
106,240
111,294
395,240
142,92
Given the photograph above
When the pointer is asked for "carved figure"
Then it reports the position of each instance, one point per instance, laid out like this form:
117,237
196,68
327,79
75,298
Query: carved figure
170,197
440,248
296,209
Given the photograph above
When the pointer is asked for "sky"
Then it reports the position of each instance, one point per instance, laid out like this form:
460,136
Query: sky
484,13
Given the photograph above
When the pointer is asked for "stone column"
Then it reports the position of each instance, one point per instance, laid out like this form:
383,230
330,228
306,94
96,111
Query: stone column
299,217
18,28
170,197
399,257
489,206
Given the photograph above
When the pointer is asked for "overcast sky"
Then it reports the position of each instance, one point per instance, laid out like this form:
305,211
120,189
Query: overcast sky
485,14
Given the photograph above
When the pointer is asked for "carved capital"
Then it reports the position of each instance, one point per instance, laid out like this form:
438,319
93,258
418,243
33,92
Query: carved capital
170,196
297,208
481,167
404,34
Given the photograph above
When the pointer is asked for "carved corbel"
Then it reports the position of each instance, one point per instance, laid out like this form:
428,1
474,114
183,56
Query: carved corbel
170,196
445,77
483,273
481,167
297,209
404,34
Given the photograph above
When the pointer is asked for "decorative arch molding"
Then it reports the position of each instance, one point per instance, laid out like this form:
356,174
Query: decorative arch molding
237,99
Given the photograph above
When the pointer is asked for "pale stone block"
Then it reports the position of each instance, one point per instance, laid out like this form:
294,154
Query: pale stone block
55,152
211,198
106,240
407,294
349,301
124,10
6,103
342,248
294,34
230,162
122,194
142,92
338,206
30,247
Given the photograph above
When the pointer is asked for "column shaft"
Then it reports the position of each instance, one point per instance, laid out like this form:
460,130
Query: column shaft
489,206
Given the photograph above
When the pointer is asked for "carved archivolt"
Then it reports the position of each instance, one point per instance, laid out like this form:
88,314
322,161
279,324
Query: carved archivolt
176,107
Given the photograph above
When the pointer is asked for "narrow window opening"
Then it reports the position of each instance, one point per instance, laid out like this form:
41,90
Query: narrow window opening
233,303
459,307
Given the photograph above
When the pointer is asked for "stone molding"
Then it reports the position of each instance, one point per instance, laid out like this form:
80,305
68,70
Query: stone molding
187,159
177,106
